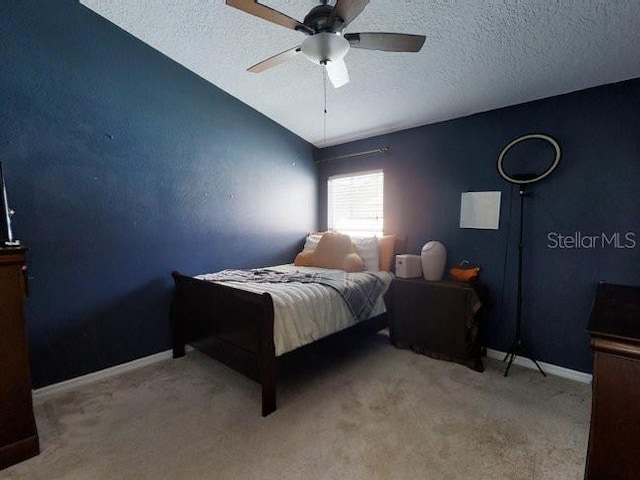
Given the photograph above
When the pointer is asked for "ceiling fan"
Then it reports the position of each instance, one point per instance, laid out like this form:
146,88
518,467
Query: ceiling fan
326,44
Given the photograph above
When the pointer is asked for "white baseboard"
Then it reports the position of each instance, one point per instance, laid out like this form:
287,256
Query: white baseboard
143,362
101,374
547,367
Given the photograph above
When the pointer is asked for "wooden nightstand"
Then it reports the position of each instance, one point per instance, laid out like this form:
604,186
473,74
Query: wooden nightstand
18,434
437,319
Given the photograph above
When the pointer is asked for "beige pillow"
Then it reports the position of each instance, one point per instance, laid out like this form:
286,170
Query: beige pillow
334,250
386,248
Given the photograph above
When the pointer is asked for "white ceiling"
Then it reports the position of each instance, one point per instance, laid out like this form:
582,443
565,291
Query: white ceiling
479,55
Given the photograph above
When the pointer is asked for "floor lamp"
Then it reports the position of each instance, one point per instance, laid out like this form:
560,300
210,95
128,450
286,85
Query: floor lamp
518,346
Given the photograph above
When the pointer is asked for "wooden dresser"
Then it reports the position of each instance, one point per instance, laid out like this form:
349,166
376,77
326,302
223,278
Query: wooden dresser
614,437
18,434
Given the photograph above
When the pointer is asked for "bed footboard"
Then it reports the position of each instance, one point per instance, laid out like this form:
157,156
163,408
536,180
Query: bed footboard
233,326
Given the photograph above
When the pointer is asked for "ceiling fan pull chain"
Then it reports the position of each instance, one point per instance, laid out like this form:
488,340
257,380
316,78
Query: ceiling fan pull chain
324,116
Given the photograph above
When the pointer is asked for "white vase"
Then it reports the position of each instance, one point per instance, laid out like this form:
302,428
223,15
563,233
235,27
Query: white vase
434,259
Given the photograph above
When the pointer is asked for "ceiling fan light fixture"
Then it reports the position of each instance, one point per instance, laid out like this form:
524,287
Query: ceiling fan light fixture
325,47
338,73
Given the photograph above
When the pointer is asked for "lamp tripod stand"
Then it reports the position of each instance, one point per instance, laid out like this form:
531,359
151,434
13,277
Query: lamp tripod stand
518,346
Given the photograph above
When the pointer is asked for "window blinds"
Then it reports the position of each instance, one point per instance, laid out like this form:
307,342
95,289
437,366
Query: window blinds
355,203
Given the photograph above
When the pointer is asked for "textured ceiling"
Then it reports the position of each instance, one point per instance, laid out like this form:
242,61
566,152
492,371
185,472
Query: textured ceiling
479,55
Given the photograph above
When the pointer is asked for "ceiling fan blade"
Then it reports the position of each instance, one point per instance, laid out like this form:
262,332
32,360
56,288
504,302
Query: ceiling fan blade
338,73
388,42
275,60
269,14
347,11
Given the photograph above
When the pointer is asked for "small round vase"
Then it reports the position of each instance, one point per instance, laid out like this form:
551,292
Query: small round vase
434,258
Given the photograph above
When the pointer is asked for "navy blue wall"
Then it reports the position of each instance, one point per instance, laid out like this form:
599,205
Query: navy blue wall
593,191
122,166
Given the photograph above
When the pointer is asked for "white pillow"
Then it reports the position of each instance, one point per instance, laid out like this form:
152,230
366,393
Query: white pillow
367,249
312,241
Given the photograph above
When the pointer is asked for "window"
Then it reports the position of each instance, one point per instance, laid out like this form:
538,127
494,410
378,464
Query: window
355,203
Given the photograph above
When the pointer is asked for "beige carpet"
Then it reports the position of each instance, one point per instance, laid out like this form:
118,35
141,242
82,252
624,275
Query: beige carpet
366,411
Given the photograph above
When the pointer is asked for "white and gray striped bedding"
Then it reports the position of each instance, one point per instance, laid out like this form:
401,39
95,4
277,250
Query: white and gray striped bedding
304,311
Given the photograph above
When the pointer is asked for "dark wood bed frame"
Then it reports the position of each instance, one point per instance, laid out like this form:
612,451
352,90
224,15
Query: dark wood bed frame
235,327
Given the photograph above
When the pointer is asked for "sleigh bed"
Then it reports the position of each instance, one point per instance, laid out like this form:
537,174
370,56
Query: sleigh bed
247,325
